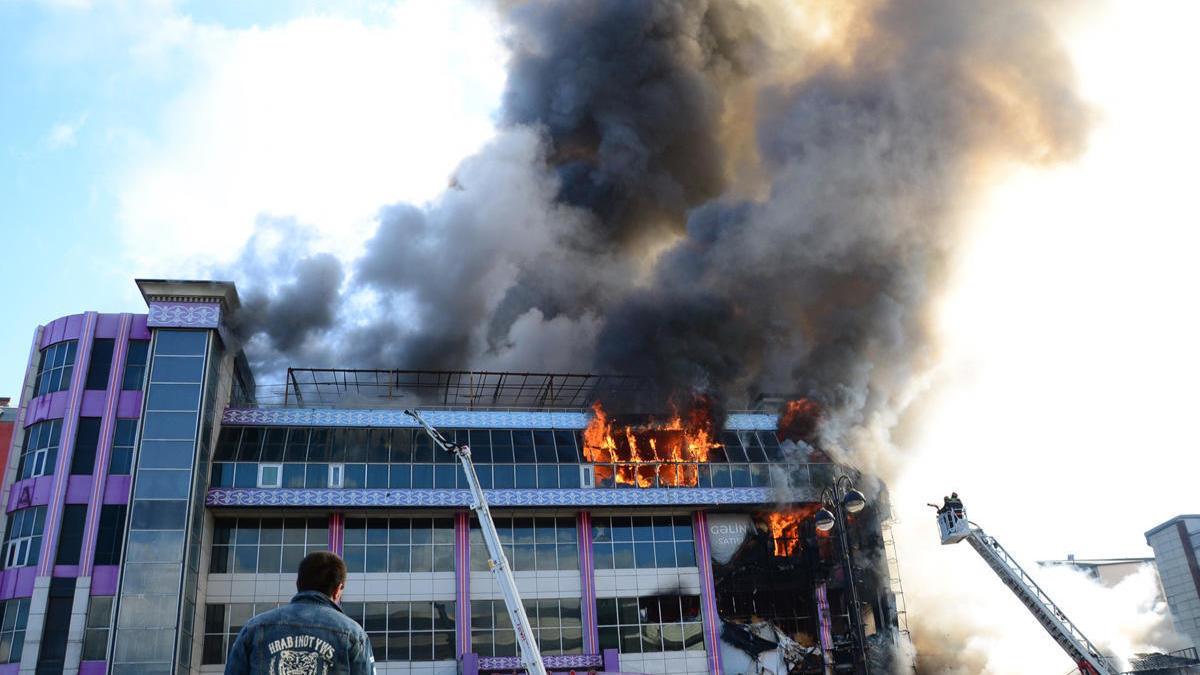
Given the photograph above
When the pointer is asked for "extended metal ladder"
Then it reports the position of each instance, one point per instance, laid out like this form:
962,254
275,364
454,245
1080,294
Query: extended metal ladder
1081,650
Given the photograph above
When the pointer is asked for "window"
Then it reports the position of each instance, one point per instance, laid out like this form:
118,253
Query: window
87,436
622,542
54,369
556,622
135,365
335,475
222,623
41,449
100,364
110,534
23,540
95,630
543,544
70,537
266,544
121,458
12,629
668,623
407,631
269,475
399,545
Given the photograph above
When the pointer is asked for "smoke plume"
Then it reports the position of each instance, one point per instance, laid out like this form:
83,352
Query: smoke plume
728,197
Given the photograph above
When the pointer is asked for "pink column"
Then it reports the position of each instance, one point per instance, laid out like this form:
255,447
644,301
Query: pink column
708,594
587,578
462,582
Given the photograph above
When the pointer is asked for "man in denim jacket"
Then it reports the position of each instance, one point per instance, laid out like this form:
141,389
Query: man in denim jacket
310,636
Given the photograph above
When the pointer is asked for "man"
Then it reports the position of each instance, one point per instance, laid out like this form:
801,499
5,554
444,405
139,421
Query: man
310,636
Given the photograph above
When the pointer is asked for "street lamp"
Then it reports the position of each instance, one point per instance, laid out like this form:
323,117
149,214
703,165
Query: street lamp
837,500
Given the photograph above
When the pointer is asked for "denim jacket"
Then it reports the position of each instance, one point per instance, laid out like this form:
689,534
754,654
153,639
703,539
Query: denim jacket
310,636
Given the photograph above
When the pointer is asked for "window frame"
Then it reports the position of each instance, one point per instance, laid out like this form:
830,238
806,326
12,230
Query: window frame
262,470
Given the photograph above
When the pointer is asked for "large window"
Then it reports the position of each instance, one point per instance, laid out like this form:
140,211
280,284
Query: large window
95,630
222,623
543,544
12,629
407,631
54,369
667,623
87,437
623,542
41,449
100,364
556,622
121,457
135,365
269,545
70,534
399,545
23,540
110,534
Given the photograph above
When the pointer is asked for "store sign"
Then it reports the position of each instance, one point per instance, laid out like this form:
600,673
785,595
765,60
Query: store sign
726,532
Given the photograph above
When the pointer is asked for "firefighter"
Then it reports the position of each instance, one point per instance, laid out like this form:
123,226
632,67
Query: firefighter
955,504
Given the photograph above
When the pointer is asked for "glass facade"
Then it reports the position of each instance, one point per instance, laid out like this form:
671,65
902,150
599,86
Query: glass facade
666,623
148,607
557,624
23,537
15,615
55,368
407,631
267,545
530,544
40,450
625,542
399,544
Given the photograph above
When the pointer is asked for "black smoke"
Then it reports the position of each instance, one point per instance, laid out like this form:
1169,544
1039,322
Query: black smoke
727,197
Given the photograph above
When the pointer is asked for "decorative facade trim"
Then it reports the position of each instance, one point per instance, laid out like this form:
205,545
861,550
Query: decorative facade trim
236,497
475,419
513,663
166,314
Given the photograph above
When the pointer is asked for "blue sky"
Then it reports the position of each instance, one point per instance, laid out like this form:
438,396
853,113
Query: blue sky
145,138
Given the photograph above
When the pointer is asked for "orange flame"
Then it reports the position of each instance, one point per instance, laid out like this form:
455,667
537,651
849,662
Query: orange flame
643,455
785,528
799,421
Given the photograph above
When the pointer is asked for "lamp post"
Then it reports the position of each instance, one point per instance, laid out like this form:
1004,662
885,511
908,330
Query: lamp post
843,498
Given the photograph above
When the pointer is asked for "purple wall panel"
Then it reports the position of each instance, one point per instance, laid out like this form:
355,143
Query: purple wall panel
93,404
10,668
129,405
92,667
47,406
139,330
17,583
37,495
108,326
66,571
116,490
79,490
104,579
73,327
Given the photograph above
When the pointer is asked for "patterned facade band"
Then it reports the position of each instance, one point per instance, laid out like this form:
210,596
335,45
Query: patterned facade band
236,497
164,314
475,419
513,663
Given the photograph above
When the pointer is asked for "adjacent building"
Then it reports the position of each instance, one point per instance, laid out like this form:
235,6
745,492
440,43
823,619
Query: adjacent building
1176,545
156,499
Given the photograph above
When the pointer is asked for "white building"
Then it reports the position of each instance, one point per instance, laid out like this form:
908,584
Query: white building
1176,545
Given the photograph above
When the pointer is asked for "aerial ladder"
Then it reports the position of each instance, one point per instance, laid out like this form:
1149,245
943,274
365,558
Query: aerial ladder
952,520
531,656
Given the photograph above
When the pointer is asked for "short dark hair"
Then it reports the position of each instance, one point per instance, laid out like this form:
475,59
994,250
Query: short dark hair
321,571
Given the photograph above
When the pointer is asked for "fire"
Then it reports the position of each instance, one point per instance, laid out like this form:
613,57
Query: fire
799,421
640,455
785,528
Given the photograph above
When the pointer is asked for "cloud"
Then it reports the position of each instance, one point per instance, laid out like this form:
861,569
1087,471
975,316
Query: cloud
322,119
62,135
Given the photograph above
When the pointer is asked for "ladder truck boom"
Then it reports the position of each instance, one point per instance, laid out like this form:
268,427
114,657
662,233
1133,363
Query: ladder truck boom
531,656
955,527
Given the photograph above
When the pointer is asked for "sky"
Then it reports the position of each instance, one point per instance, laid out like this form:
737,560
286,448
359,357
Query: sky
145,139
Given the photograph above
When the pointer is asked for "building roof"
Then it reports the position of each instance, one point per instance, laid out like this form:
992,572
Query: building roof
185,290
1177,519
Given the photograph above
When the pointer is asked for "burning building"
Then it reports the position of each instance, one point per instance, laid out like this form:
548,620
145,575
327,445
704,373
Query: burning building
160,496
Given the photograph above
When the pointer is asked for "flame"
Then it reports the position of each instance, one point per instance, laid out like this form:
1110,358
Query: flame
799,421
665,453
785,528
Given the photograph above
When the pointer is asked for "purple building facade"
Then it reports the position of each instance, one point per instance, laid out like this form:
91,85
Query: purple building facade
154,503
